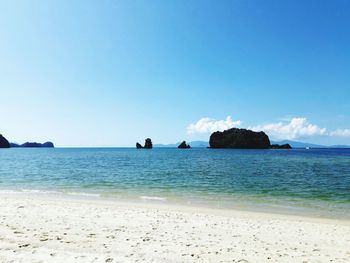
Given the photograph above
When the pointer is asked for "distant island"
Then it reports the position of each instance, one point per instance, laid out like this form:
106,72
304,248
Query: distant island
243,139
296,144
33,145
4,143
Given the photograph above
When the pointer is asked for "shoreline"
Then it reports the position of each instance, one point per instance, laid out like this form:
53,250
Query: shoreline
171,206
281,208
78,198
56,229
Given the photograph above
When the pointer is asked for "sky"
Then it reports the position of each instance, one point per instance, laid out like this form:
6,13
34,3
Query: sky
110,73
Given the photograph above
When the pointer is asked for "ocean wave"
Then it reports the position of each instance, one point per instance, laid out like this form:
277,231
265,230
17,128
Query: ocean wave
31,191
83,194
9,191
158,198
37,191
46,192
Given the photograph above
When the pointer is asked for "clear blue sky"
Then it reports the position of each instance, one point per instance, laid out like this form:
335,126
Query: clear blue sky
110,73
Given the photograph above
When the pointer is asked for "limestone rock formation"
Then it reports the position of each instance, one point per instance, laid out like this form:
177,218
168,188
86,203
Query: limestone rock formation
282,146
184,145
4,143
148,144
239,138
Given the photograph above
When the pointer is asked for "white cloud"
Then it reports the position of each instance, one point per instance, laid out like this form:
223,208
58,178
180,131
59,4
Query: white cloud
208,125
296,128
340,133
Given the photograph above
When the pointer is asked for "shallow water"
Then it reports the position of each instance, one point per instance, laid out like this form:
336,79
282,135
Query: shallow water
315,181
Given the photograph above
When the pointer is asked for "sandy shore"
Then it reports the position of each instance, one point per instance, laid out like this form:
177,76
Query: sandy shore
37,228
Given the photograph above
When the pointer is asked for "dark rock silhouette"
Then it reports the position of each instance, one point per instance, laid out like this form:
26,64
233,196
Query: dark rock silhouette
138,146
36,144
282,146
239,138
4,143
243,139
33,145
184,145
148,144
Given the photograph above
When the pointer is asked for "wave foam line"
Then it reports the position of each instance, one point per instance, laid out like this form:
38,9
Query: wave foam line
145,197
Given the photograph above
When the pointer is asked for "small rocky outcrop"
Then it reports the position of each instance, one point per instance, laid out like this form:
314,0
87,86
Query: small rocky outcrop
240,139
138,146
282,146
184,145
4,143
148,144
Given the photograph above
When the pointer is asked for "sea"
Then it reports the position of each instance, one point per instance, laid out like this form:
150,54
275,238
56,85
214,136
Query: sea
312,182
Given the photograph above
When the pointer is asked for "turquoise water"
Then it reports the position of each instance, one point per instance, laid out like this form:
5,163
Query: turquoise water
316,180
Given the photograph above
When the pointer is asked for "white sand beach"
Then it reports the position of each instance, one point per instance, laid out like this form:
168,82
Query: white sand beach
36,228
